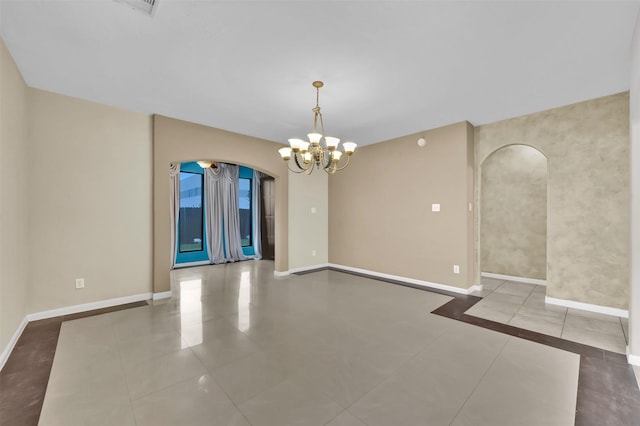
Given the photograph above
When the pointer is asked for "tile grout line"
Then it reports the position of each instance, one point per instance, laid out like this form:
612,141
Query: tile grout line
453,310
481,379
460,298
210,372
564,321
237,406
126,381
386,379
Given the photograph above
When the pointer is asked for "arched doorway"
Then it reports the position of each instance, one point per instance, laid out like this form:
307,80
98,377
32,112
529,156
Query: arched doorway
180,141
220,214
513,213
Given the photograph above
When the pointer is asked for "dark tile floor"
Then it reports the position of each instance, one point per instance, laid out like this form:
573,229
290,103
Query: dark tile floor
607,394
24,377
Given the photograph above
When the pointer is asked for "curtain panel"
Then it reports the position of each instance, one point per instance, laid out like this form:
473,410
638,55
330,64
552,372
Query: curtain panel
223,217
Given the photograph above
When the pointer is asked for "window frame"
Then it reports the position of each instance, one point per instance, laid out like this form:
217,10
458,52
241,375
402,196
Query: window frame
187,258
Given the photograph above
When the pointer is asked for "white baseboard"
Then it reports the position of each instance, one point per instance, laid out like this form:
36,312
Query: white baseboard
421,283
162,295
587,307
308,268
66,311
512,278
12,342
633,359
88,306
474,288
300,269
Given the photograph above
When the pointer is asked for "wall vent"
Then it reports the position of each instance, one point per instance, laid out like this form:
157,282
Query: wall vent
147,6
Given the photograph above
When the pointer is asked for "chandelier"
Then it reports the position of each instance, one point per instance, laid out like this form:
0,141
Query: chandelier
306,156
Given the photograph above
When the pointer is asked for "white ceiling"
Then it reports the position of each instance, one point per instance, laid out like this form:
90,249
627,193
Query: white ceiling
390,68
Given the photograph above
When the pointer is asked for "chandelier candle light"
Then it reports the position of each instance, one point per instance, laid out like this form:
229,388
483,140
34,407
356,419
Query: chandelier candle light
307,155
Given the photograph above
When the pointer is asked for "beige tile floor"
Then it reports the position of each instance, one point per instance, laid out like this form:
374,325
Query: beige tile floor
238,346
522,305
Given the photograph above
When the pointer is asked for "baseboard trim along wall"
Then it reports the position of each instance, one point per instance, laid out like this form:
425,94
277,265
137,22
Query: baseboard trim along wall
587,307
300,269
633,359
162,295
67,311
12,342
88,306
512,278
309,268
409,280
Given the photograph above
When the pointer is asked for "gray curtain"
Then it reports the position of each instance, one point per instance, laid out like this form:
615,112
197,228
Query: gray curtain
174,201
223,217
255,207
231,214
213,224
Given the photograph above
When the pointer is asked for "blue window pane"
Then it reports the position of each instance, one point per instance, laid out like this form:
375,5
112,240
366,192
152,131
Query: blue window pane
191,212
244,204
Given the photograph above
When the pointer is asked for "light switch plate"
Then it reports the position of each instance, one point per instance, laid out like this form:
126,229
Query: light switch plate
435,207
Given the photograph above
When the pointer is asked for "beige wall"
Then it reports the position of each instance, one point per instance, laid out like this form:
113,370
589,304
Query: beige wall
308,232
380,208
587,147
513,213
14,175
179,141
634,113
90,201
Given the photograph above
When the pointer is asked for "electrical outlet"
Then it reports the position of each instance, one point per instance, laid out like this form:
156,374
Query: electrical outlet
456,269
313,252
435,207
79,282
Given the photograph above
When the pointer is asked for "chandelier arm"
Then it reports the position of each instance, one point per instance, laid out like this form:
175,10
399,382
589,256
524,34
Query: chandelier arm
295,157
309,169
293,170
329,160
297,162
345,164
330,170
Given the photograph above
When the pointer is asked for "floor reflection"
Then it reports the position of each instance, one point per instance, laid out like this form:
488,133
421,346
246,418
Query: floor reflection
191,308
319,345
244,301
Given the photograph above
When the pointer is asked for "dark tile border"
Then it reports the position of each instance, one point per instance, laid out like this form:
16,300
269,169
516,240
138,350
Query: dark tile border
25,375
608,392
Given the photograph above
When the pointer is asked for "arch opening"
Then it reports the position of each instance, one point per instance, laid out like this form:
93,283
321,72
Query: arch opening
513,213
